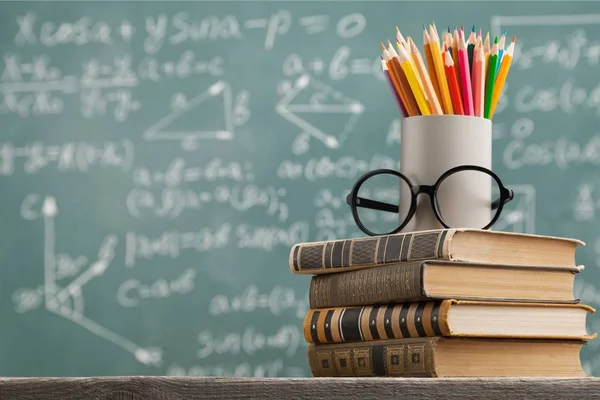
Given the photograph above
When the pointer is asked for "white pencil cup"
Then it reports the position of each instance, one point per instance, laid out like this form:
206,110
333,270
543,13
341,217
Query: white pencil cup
432,145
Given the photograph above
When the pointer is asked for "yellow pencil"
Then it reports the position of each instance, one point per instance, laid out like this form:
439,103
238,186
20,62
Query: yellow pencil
486,48
434,102
408,69
436,54
502,73
406,46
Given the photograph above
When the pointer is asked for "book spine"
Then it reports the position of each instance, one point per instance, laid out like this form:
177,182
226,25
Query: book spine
380,322
394,358
350,254
390,284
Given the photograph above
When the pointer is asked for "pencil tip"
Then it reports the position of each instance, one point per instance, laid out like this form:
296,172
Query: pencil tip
505,32
449,29
514,39
424,27
397,30
473,29
496,39
382,46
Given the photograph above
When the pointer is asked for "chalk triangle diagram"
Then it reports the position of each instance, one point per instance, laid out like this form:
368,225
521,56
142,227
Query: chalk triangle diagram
320,111
206,116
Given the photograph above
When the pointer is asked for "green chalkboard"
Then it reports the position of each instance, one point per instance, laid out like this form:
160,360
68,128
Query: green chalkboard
158,159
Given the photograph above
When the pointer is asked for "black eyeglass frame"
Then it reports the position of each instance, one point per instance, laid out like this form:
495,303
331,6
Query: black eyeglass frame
354,201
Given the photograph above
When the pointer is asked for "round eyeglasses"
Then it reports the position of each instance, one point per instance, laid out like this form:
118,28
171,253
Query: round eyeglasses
377,196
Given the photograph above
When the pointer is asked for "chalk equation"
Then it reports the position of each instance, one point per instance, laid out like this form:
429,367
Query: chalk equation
161,30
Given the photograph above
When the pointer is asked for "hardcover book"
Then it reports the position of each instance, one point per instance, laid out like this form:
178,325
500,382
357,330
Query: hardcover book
447,318
438,279
470,245
447,357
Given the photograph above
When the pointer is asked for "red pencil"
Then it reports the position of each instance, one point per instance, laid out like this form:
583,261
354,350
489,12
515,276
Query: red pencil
453,84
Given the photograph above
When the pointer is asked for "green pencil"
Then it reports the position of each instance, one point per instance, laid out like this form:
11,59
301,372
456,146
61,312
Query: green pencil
491,77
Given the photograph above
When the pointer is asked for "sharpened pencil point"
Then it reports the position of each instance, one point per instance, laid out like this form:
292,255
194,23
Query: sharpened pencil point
382,46
496,40
514,39
505,32
473,29
449,29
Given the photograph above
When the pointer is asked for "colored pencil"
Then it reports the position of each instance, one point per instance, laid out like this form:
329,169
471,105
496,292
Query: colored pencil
500,50
407,48
400,39
461,73
501,78
478,81
447,40
455,54
436,54
486,48
434,102
471,47
395,79
411,76
430,64
453,84
465,76
411,106
490,78
395,93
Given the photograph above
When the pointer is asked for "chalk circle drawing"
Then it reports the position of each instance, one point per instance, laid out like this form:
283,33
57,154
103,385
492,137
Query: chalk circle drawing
322,100
197,110
67,301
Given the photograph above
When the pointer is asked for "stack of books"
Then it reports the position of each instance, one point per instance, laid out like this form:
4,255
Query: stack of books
443,303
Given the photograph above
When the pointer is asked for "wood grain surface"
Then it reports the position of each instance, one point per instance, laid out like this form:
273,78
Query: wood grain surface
134,388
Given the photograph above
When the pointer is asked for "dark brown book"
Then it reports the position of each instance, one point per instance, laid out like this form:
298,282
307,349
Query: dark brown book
437,280
447,318
471,245
447,357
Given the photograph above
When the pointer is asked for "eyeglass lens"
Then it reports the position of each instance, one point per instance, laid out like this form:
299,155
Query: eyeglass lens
384,200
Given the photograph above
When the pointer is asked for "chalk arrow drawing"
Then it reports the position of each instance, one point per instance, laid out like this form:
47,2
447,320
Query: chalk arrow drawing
68,302
162,129
323,100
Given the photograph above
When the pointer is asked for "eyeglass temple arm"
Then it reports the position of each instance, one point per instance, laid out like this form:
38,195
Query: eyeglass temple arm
372,204
496,203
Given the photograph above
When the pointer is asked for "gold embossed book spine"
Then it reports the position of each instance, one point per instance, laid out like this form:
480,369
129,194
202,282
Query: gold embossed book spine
394,358
397,321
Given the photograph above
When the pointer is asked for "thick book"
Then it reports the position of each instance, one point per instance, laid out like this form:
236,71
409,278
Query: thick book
447,318
474,245
438,279
447,357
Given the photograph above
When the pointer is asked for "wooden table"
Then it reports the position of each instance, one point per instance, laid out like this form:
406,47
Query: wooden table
121,388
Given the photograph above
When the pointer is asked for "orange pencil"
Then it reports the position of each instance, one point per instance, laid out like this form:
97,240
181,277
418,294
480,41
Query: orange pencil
438,62
453,84
478,81
394,79
394,67
430,64
502,73
434,102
